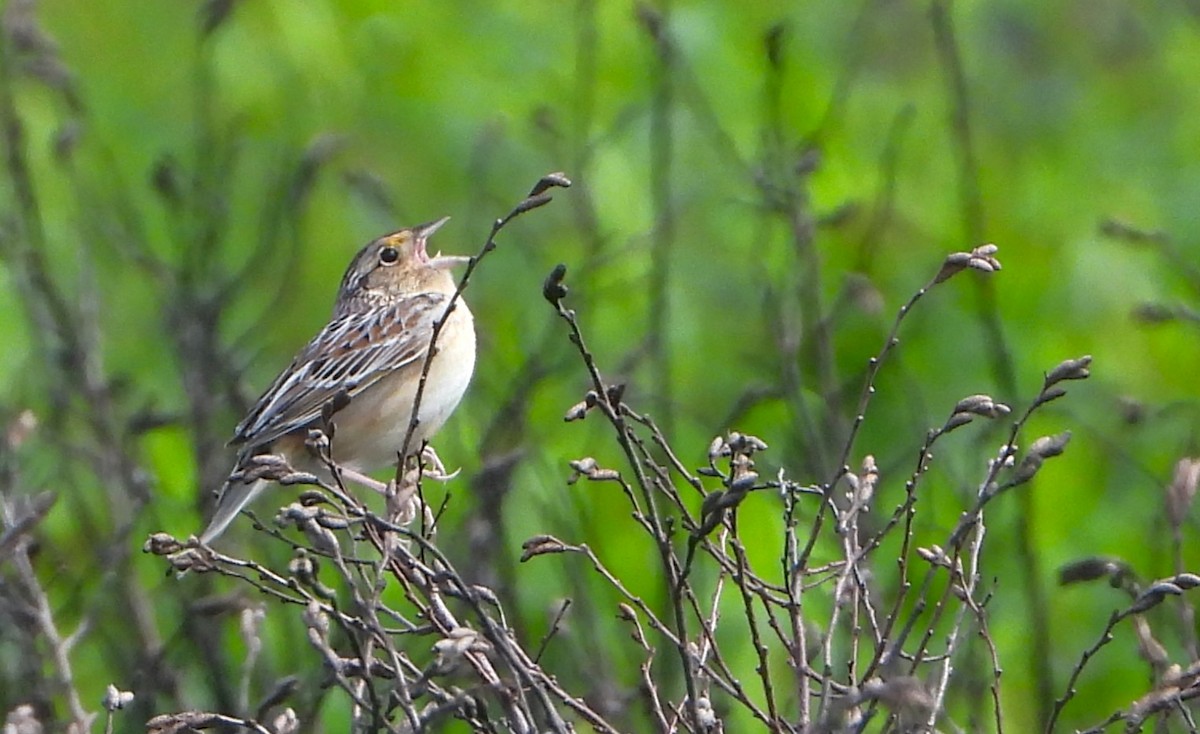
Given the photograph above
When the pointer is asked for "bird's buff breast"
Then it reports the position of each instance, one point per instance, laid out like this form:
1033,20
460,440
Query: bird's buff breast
371,429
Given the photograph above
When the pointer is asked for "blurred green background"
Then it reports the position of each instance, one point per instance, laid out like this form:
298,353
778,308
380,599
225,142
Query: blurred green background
204,171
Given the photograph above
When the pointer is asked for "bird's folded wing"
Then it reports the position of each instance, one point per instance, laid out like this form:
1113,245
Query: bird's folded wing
353,352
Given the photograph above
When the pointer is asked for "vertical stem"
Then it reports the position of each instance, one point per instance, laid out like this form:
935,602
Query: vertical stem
661,155
970,198
971,201
582,125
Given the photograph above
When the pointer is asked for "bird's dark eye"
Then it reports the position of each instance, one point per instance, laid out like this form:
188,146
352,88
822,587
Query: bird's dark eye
389,255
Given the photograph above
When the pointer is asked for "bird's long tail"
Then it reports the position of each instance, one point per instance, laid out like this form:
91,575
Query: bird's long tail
234,496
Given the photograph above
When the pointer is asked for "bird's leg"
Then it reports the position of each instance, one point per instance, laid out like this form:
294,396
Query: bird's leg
403,498
432,466
364,480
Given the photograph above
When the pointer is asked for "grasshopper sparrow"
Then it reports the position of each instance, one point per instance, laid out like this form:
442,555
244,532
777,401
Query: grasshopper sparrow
374,349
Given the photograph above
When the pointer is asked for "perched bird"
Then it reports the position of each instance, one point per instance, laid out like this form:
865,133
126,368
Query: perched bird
374,349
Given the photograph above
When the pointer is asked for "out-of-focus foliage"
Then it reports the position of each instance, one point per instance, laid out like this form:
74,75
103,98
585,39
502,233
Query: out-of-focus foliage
758,187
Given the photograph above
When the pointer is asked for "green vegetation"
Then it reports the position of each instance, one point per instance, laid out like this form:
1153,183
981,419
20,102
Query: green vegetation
758,189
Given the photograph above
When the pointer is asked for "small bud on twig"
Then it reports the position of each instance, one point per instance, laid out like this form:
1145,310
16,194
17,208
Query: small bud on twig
1093,568
1186,581
1071,369
973,405
553,288
579,410
549,181
161,544
982,258
542,544
1048,446
115,699
531,202
587,467
1048,395
934,555
1044,448
1154,596
982,405
956,420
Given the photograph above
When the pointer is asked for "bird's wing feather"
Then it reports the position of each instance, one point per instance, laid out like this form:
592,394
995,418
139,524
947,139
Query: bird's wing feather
352,353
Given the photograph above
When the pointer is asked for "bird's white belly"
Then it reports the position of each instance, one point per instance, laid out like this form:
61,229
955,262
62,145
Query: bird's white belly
381,414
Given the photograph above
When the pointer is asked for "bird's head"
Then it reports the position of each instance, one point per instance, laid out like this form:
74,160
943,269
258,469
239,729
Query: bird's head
398,264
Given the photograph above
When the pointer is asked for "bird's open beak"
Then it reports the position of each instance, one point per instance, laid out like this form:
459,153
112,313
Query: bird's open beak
423,231
438,261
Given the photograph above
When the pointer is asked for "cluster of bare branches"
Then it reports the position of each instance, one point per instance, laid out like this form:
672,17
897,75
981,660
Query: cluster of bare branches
839,640
835,649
